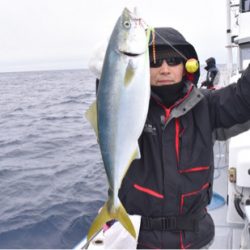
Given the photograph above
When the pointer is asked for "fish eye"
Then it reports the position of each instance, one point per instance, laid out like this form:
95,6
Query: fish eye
127,24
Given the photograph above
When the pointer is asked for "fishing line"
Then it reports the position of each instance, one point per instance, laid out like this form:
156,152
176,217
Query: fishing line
191,64
152,30
86,245
167,42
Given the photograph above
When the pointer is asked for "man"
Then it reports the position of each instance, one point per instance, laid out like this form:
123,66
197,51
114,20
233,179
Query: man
171,185
213,74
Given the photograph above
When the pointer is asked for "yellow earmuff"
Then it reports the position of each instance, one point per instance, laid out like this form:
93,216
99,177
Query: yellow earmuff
192,65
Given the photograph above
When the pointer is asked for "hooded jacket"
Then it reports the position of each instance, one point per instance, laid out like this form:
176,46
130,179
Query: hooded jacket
175,173
213,74
170,38
173,178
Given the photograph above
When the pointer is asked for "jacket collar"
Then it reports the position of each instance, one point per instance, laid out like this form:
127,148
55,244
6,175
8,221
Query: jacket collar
192,97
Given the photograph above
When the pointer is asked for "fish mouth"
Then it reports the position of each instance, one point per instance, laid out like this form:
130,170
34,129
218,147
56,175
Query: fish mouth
130,54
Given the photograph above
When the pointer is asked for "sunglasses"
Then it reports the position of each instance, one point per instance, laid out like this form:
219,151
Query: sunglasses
171,61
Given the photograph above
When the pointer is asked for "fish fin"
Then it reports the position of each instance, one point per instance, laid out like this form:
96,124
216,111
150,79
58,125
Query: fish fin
104,216
91,115
124,219
128,75
99,221
137,153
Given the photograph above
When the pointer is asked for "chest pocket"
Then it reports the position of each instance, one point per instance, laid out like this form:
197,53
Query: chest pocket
195,165
195,145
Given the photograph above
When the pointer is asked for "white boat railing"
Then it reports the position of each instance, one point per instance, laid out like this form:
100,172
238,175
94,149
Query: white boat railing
238,46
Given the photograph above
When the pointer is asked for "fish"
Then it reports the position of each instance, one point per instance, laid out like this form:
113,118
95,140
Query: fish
119,113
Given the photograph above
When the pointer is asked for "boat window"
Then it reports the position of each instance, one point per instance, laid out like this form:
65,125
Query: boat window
244,55
245,5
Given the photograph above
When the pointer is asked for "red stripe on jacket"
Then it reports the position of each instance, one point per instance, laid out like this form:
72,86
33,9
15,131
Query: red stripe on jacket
182,246
177,139
148,191
183,196
196,169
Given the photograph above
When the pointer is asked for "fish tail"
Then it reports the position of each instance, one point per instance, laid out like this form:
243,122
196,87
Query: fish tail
104,216
124,219
99,221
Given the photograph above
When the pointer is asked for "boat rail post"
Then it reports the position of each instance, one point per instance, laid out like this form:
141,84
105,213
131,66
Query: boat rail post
229,41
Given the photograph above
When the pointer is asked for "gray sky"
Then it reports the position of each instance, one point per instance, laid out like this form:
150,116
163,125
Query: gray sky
59,34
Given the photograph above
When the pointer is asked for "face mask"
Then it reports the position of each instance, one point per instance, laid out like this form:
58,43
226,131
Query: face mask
169,94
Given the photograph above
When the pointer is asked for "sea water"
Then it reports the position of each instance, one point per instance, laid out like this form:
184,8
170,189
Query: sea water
52,181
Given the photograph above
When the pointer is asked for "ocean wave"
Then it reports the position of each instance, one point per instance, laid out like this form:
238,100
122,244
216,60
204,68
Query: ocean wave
52,181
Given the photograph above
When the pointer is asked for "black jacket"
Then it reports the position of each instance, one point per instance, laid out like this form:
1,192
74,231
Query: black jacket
212,72
174,175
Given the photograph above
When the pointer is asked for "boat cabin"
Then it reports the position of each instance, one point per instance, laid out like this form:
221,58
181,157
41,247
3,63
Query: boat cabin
245,6
243,37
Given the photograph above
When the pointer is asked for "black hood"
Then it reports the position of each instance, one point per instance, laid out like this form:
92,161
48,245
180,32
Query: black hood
169,38
210,63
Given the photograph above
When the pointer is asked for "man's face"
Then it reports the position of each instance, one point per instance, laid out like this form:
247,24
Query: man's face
166,73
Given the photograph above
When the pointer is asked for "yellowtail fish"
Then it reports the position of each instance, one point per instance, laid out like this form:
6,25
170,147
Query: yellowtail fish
119,113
